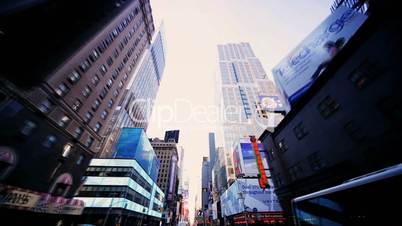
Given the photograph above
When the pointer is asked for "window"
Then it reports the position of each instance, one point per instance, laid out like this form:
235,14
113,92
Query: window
94,55
110,103
300,131
95,105
116,93
315,161
73,77
89,142
88,117
85,65
115,73
365,73
95,80
103,69
282,146
103,93
109,61
115,53
97,127
270,155
67,150
62,89
104,114
80,159
354,131
109,83
49,141
295,171
328,106
64,120
86,91
45,106
78,132
28,128
76,105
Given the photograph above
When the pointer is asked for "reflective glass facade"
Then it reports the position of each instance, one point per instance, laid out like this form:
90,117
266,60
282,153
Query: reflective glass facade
133,143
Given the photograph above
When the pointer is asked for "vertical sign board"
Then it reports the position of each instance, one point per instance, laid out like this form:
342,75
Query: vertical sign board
261,169
301,67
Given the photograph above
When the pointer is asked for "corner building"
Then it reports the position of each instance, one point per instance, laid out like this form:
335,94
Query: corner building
57,97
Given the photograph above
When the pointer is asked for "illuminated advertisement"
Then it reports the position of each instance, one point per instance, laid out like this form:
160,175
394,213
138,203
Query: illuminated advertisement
246,195
301,67
133,143
172,175
245,161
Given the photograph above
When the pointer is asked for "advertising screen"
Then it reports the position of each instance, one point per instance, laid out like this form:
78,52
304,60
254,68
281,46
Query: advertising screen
301,67
246,195
245,161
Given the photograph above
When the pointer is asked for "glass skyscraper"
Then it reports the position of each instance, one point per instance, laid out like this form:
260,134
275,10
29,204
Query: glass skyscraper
244,86
136,107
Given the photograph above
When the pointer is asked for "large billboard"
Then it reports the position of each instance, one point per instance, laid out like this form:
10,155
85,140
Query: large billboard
246,195
302,66
244,158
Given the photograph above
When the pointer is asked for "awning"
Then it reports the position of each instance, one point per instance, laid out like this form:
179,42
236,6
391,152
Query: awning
17,198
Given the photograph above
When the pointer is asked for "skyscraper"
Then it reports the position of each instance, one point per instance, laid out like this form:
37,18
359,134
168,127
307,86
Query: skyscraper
205,179
65,65
212,149
244,86
168,175
135,108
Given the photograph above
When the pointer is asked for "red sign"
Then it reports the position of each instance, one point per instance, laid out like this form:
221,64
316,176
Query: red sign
263,180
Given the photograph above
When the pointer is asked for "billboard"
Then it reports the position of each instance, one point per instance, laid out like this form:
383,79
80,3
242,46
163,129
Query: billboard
244,158
246,195
301,67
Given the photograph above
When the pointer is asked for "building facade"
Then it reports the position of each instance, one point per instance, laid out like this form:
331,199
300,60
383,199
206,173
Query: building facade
64,95
168,179
120,191
331,136
135,108
244,86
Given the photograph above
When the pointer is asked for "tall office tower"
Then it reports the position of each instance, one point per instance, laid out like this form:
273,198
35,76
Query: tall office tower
212,149
135,108
249,99
65,65
168,179
172,135
205,179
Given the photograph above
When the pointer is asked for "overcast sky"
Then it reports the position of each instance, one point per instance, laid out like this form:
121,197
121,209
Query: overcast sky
193,28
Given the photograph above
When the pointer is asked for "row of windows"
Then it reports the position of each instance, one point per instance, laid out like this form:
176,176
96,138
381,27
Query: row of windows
28,129
114,191
75,75
119,172
296,171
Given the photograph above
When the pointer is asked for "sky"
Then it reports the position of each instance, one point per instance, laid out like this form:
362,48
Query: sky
187,98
